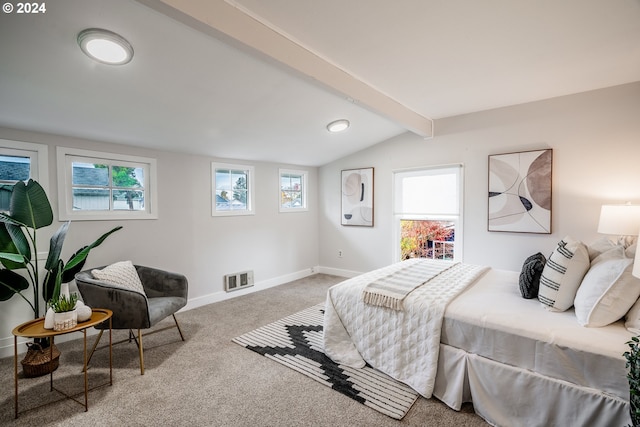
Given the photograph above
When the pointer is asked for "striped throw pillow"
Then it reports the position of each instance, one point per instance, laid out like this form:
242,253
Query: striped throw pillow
562,274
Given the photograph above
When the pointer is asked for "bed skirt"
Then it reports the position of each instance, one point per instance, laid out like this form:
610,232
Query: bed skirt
505,395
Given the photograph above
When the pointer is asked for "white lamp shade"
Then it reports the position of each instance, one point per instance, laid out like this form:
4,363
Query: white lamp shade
619,220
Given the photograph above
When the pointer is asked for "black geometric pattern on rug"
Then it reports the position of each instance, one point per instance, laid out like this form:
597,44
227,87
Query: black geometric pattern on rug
337,377
296,342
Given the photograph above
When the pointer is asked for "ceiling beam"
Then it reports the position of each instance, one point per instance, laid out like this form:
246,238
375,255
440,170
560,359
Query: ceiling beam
229,23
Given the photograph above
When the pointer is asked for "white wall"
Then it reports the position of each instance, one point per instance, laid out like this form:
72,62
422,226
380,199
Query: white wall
595,137
279,247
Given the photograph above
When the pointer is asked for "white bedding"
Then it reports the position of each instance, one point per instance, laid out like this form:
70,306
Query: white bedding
404,344
492,320
519,364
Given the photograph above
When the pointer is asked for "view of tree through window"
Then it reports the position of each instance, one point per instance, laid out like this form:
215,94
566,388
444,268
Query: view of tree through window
96,185
99,186
426,239
428,212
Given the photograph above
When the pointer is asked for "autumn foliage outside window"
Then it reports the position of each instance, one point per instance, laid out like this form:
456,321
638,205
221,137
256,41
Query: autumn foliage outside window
426,239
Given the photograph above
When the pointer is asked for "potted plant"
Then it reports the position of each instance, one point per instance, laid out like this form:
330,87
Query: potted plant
633,364
29,211
65,315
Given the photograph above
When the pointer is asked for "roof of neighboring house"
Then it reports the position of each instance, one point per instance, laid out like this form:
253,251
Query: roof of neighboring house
90,176
14,171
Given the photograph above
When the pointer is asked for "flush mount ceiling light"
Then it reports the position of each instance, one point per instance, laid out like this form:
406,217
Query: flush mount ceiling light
338,125
105,46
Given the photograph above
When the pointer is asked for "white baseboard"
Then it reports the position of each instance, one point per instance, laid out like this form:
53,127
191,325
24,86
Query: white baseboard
338,272
258,286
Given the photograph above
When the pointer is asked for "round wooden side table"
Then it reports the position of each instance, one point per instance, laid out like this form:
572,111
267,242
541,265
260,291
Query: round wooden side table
35,329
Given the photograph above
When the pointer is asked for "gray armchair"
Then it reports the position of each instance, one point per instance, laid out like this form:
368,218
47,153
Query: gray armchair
166,293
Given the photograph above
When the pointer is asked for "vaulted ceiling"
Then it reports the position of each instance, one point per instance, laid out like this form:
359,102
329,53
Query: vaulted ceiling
260,80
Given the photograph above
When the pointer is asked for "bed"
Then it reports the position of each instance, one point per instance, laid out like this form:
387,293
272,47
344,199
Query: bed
519,364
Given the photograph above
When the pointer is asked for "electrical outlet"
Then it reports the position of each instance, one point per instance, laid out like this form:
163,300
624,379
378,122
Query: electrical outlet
340,253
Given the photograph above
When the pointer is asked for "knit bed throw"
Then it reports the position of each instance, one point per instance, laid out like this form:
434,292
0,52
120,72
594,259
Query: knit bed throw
390,291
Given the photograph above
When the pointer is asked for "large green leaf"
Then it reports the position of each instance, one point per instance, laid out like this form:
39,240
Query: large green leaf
30,205
55,245
57,272
52,281
8,220
11,283
20,242
81,255
9,255
68,274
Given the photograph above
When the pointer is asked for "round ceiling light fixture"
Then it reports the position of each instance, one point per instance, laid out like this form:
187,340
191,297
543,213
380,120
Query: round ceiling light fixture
105,46
338,125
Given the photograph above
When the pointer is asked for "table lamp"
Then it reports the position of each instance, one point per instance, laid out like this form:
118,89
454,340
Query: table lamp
622,221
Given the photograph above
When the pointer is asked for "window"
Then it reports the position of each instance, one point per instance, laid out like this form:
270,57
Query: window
232,189
428,213
93,186
20,161
293,190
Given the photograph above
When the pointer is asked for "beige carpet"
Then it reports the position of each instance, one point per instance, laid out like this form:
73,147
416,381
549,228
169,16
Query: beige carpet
207,380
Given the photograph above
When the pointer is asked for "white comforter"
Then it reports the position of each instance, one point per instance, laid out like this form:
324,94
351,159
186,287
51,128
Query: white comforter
404,344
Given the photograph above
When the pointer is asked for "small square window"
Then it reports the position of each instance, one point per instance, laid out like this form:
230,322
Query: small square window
232,189
293,190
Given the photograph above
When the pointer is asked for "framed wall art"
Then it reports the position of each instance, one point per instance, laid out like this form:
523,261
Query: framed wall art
357,197
520,192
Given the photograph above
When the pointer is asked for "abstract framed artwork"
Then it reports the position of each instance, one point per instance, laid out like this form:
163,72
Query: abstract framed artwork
520,192
357,197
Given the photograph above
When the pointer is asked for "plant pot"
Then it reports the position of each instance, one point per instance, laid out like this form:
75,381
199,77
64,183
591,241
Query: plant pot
48,318
65,320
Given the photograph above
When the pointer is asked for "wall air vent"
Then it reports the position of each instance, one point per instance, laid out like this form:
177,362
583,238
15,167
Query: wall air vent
235,281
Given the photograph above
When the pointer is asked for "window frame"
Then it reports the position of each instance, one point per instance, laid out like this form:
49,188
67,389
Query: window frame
38,155
304,175
65,158
458,219
250,204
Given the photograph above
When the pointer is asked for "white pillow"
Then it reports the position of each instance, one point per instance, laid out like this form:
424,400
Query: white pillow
562,274
121,274
600,246
608,290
